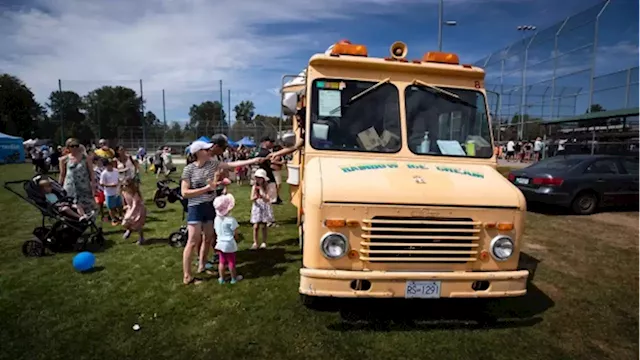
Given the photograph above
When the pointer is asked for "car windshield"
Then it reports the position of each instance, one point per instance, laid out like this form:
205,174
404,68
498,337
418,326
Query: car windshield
369,122
447,121
556,163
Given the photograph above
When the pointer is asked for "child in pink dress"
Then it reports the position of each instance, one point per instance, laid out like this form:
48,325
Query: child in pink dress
261,211
136,213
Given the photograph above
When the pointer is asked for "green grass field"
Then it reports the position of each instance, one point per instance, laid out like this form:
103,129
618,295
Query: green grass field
582,304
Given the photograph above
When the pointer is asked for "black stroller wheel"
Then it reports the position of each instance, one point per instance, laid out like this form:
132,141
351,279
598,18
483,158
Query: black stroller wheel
33,248
161,203
81,245
97,239
178,239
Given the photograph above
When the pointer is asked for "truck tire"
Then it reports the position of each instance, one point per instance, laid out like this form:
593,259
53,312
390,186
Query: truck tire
301,236
316,303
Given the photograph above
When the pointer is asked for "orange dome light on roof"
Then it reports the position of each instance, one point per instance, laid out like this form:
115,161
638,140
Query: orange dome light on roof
441,57
345,47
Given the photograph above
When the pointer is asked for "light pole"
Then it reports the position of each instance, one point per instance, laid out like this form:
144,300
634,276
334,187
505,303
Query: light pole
441,23
524,29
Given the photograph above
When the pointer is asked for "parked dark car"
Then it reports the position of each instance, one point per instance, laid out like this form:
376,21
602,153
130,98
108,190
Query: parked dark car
582,183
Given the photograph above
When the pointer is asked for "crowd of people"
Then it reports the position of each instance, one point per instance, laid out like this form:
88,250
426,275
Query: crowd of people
44,157
99,178
521,151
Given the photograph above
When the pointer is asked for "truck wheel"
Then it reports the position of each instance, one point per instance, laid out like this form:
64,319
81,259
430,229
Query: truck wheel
301,236
585,203
316,303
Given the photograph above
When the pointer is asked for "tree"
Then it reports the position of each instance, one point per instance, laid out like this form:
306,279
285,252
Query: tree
260,126
19,111
244,111
595,108
66,109
174,133
150,119
112,108
155,129
207,118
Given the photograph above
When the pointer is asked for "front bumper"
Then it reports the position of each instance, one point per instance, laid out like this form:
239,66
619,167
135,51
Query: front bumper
387,284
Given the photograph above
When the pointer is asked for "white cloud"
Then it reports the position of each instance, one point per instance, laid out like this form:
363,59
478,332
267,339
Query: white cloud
183,46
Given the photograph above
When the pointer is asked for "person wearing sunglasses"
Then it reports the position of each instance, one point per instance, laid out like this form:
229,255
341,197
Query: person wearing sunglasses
77,176
198,186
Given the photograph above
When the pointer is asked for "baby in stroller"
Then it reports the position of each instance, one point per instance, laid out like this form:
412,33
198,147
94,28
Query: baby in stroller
66,229
63,206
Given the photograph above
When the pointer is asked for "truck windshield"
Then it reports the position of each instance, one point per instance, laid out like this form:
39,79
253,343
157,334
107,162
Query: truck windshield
439,123
370,122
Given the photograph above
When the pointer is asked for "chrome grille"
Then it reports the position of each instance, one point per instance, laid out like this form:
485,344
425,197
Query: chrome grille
428,240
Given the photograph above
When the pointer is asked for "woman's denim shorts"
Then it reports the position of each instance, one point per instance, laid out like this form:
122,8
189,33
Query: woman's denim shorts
201,213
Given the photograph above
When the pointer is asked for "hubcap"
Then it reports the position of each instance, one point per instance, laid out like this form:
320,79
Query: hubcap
585,203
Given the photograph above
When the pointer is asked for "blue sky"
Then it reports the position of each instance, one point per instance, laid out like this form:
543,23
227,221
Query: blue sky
186,47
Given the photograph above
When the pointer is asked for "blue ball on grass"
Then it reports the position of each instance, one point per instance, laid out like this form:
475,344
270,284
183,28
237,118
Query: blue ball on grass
84,261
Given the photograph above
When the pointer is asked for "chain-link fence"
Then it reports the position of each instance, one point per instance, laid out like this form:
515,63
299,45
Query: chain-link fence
94,109
572,67
181,134
133,114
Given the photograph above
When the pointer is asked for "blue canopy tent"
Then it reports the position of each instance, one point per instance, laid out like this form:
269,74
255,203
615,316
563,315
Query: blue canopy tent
232,143
245,141
11,149
204,138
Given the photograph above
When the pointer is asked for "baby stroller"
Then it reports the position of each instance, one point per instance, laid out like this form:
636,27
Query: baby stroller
180,237
164,193
62,233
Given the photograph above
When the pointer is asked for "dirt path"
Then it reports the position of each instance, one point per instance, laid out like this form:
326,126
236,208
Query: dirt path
628,220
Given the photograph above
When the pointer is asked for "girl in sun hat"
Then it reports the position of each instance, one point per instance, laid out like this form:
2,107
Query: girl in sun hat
226,227
261,211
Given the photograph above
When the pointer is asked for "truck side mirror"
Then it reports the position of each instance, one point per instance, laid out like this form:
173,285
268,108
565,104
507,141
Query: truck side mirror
289,139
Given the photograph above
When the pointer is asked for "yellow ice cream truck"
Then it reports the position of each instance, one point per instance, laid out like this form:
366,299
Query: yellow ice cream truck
396,183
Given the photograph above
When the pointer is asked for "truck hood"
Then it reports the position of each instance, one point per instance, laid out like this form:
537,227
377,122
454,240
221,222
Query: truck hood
412,183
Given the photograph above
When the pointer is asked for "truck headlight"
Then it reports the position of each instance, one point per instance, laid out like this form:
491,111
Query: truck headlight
334,245
501,247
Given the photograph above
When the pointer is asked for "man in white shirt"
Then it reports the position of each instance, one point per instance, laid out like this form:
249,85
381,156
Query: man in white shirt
510,150
561,146
537,148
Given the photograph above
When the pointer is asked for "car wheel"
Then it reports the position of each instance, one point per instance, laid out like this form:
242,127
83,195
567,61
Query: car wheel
585,203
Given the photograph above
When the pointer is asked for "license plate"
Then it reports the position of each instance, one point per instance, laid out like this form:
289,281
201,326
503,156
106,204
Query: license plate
422,289
522,181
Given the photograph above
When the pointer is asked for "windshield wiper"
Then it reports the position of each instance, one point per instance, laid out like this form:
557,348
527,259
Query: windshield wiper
360,95
441,92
